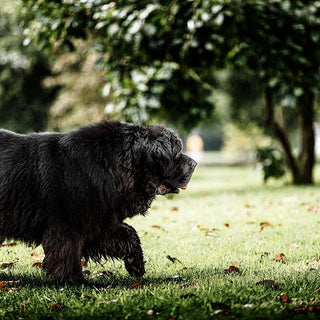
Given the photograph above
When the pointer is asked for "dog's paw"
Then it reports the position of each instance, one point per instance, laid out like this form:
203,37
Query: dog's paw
134,267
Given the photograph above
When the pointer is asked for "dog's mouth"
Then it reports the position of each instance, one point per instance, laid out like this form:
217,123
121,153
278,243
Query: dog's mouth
168,188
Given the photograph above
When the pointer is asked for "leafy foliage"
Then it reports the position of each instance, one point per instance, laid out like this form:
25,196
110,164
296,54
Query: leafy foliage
163,54
160,58
24,102
272,162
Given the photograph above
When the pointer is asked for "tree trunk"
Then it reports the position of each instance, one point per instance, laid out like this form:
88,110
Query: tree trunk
302,168
307,156
280,135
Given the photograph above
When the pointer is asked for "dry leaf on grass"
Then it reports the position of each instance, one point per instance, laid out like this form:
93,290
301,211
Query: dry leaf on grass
37,264
23,311
314,208
6,265
284,298
231,269
10,244
265,224
57,306
156,226
265,254
311,309
281,257
173,259
37,256
6,285
137,285
84,263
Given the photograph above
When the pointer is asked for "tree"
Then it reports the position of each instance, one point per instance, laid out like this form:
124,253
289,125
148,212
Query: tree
24,101
161,57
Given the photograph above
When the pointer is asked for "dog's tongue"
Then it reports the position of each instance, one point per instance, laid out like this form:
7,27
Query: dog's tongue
184,187
163,189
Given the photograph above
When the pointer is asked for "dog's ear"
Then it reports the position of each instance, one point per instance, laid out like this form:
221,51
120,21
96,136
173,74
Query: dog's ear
163,148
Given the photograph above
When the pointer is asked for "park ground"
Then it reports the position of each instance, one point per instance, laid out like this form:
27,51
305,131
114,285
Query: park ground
229,247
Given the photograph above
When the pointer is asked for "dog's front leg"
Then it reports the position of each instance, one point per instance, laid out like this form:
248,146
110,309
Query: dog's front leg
125,244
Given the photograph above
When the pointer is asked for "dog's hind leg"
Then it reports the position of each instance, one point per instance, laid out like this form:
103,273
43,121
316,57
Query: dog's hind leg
62,259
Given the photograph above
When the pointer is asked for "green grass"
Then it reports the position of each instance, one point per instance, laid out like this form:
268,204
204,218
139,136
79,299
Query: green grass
211,226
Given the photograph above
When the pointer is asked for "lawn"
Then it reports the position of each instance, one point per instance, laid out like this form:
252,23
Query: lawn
228,247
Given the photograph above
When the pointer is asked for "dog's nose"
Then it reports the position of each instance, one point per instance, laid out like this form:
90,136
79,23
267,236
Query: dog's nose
193,163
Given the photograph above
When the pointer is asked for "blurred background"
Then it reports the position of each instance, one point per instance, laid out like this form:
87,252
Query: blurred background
239,80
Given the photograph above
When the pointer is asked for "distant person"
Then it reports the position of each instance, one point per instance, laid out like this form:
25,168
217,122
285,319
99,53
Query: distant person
195,147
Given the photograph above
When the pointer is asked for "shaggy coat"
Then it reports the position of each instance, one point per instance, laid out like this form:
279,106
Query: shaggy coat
72,191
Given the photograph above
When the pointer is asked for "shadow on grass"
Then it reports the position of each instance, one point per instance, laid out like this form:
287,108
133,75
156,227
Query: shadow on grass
235,298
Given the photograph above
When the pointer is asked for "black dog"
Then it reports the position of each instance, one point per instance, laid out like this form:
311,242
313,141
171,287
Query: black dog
72,191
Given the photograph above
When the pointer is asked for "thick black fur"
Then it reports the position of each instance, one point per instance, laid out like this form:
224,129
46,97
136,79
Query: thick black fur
72,191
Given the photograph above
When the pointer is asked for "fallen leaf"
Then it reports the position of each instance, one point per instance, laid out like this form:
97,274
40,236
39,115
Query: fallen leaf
227,225
37,256
231,269
4,285
23,311
10,244
281,257
314,208
293,246
203,229
155,226
314,309
174,209
268,283
6,265
317,259
284,298
264,224
265,254
137,285
37,264
57,306
173,259
84,263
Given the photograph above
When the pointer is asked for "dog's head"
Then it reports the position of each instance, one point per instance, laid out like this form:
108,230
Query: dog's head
168,169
